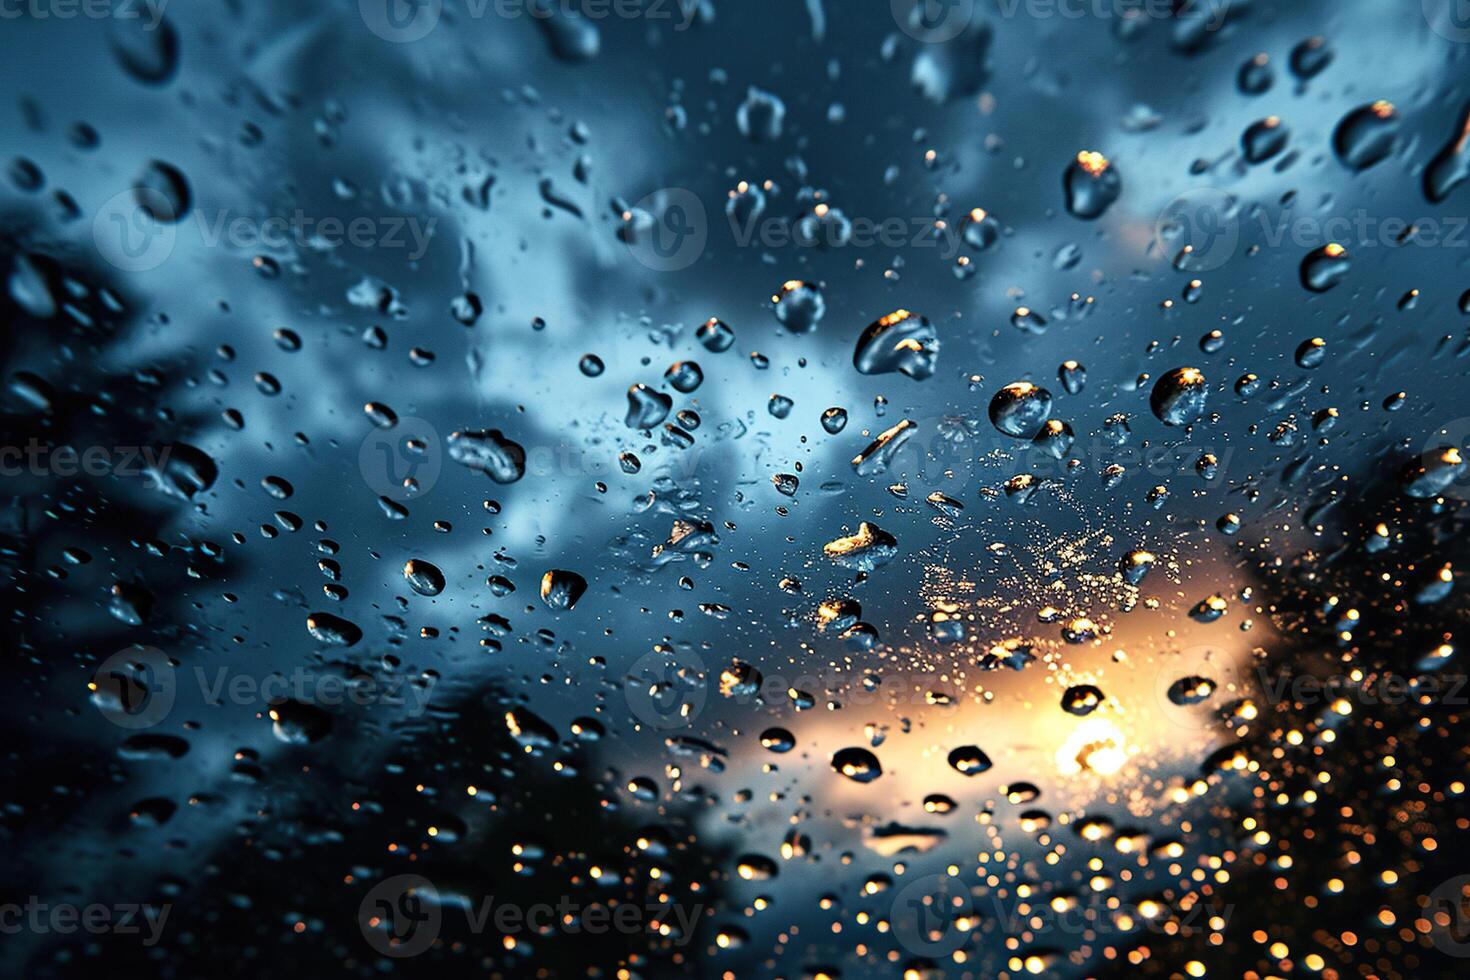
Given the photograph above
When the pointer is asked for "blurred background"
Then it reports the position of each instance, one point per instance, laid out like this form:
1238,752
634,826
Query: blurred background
438,437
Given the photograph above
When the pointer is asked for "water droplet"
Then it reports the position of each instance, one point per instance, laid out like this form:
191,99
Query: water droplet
1310,57
1263,139
1092,185
901,341
1028,320
1136,565
489,452
1191,690
560,589
1366,135
1055,438
715,335
1020,409
646,407
147,51
423,577
777,740
1179,396
684,376
162,192
968,760
1082,699
1311,353
799,306
1256,75
857,764
332,630
834,420
1073,377
760,116
864,551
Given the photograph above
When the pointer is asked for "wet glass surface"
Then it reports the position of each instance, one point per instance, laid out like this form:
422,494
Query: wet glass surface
647,488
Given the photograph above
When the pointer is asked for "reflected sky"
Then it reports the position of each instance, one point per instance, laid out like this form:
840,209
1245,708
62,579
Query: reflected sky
511,167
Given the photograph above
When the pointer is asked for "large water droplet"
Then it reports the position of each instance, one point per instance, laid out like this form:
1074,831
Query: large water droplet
1366,135
799,306
1325,267
490,452
901,341
1092,184
857,764
423,577
1020,409
1179,396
